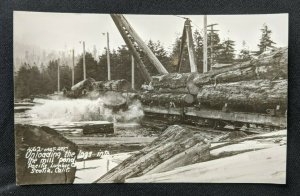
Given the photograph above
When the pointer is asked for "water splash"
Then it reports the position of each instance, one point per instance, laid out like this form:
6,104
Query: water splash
73,110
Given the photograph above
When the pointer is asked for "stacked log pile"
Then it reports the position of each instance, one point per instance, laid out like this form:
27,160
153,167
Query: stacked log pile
256,95
256,84
252,159
270,66
175,147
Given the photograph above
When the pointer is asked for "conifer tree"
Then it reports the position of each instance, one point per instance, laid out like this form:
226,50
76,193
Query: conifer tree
265,40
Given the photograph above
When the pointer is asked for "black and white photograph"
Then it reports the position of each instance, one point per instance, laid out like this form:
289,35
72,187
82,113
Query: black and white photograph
136,98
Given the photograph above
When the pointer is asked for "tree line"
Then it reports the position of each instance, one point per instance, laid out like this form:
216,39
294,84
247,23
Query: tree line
31,80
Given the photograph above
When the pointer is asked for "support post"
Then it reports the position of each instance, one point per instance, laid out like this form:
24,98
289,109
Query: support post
84,67
108,59
58,77
189,38
205,45
73,67
211,30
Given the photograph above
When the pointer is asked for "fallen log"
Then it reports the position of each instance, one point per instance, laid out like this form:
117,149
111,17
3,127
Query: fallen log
263,155
254,95
173,141
166,98
84,84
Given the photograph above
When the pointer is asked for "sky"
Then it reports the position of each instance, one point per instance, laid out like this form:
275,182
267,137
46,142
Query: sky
64,31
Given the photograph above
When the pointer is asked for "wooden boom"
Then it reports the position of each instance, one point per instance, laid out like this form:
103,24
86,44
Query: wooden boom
136,45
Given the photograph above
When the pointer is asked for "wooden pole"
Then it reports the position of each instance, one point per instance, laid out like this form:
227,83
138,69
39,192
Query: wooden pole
205,45
84,68
73,67
212,30
211,47
108,59
132,72
58,78
189,38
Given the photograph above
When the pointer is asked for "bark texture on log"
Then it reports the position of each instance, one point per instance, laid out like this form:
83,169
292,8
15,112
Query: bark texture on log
166,98
258,95
175,81
173,141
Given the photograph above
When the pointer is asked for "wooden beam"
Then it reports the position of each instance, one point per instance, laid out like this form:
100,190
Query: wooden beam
131,47
190,45
205,45
153,59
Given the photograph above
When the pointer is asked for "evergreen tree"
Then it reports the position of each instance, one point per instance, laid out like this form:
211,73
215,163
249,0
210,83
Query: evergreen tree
198,43
214,46
92,68
174,57
21,82
226,52
28,81
65,77
265,40
122,63
160,53
244,54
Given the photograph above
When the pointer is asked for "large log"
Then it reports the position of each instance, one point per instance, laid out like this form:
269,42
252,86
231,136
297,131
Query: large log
84,84
256,95
181,99
173,141
182,82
